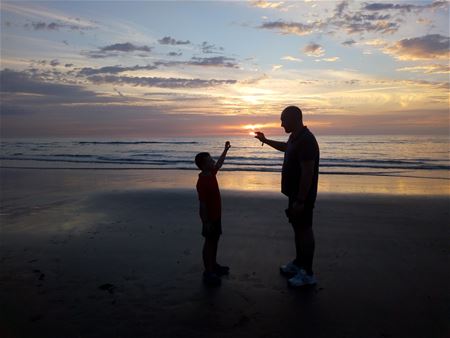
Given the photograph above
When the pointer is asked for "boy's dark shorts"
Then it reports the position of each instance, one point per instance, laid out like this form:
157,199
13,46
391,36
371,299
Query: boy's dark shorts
213,231
305,219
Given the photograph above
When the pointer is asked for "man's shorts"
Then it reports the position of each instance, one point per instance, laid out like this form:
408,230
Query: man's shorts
213,231
305,219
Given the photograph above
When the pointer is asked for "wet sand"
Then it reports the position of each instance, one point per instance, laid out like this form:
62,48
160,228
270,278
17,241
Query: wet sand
123,260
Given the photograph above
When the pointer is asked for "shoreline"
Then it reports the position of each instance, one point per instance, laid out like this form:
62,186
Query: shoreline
265,182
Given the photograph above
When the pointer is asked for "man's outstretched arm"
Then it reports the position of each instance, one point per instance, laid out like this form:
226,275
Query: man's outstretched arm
222,157
281,146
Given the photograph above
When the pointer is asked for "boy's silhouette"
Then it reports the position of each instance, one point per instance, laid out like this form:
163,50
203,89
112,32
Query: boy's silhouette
210,214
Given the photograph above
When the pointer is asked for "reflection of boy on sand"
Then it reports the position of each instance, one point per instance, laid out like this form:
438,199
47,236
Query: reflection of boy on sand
210,214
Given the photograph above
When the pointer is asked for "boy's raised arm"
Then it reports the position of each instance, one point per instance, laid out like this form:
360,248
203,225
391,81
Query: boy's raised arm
222,157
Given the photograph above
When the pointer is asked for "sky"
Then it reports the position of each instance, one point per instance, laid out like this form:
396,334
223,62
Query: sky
202,68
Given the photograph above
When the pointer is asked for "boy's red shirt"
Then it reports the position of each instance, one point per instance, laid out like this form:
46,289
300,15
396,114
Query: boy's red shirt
209,193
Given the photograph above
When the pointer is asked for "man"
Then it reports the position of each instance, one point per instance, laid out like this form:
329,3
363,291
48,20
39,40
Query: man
299,183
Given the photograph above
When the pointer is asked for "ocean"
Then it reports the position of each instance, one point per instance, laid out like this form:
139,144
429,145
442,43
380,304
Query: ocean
417,156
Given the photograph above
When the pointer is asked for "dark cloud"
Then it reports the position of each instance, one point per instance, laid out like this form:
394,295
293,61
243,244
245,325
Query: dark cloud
25,83
158,81
55,26
88,71
340,8
349,42
118,92
208,48
167,40
343,17
428,47
360,22
174,54
115,49
218,61
125,47
68,65
24,92
314,49
380,6
54,62
296,28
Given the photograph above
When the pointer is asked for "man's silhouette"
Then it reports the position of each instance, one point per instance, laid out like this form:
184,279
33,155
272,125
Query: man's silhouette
299,183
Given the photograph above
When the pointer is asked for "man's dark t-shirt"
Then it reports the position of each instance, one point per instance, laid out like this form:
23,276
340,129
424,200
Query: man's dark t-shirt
301,147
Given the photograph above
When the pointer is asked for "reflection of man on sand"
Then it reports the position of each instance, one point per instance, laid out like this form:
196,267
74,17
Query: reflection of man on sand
299,182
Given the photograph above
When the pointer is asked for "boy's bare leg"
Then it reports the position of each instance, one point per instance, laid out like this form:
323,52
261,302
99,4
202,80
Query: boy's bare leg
216,244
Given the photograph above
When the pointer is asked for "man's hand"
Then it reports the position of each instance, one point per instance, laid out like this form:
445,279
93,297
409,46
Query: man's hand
227,145
260,136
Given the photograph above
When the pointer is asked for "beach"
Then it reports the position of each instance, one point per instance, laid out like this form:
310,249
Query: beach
98,253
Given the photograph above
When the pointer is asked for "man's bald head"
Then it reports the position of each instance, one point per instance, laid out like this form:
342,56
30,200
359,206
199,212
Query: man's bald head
293,112
291,119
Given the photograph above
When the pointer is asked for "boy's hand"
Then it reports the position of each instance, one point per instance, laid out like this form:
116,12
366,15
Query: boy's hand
227,145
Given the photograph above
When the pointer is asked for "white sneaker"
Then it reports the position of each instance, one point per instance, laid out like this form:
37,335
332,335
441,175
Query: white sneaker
302,279
289,269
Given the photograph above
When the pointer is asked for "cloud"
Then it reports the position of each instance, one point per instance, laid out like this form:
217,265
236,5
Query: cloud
375,42
349,42
266,4
118,92
175,54
125,47
55,26
208,48
88,71
54,63
291,58
218,61
343,17
167,40
340,8
314,49
295,28
332,59
359,22
36,12
427,69
114,49
427,47
403,7
158,81
276,67
14,82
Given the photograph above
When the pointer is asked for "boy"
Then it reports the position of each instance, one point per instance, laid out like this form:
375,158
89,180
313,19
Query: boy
210,214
